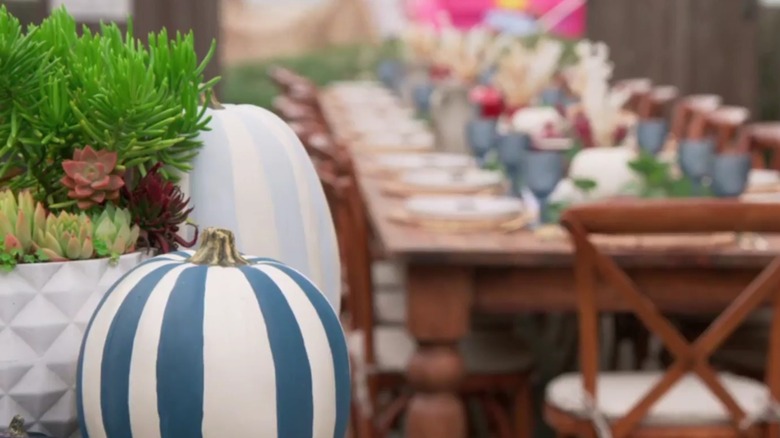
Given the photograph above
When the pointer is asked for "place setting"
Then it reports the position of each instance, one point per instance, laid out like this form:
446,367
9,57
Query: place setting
465,214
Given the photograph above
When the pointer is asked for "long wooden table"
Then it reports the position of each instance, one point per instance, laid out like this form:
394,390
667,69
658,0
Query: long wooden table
450,275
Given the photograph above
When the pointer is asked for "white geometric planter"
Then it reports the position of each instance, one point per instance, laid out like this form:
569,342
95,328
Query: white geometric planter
44,310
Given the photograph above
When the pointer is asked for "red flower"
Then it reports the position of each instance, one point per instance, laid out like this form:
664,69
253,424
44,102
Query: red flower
489,101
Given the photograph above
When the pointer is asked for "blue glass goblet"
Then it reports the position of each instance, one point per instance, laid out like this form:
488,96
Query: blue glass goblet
543,172
695,158
512,150
486,77
730,174
481,134
390,72
421,95
552,96
651,135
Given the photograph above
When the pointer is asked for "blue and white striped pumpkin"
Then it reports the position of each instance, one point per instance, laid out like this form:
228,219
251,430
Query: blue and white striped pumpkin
183,350
253,177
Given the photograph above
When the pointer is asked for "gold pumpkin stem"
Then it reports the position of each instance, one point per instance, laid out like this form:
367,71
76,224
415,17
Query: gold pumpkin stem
218,248
16,429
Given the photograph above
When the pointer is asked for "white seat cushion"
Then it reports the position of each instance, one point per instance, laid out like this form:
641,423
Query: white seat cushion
483,352
390,306
688,403
387,274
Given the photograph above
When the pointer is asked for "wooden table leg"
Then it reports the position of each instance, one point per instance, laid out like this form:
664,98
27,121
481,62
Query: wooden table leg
439,303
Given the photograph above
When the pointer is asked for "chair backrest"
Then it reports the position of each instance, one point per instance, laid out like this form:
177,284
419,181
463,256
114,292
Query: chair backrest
338,178
670,217
762,141
657,102
689,115
335,188
285,79
725,123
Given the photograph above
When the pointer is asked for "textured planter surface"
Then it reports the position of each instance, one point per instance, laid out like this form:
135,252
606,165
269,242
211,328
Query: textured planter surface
44,310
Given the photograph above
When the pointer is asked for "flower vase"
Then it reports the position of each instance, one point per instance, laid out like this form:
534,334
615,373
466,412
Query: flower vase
391,73
44,311
608,167
451,112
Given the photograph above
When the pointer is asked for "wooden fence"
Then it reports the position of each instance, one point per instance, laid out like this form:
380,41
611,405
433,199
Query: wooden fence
701,46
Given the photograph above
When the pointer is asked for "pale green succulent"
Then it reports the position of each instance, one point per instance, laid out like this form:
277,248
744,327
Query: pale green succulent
114,228
20,217
66,236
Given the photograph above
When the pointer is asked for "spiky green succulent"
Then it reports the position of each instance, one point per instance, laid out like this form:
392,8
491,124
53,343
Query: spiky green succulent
20,216
66,236
114,231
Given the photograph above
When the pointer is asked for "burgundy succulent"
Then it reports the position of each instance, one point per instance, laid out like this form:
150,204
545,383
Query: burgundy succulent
91,177
159,208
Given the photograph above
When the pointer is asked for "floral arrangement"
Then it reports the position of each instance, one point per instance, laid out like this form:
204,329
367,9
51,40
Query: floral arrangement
588,54
524,72
95,130
599,119
419,43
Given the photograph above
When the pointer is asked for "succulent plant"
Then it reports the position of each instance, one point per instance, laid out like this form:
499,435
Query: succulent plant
159,208
113,230
66,236
91,177
20,216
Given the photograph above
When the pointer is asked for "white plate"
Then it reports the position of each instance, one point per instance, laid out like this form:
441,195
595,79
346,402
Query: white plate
759,178
464,208
761,198
453,179
426,161
385,125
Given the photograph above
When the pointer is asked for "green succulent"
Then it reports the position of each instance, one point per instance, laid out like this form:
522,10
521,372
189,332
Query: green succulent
20,216
62,89
114,232
65,237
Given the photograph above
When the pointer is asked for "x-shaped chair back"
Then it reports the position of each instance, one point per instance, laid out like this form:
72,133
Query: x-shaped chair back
671,217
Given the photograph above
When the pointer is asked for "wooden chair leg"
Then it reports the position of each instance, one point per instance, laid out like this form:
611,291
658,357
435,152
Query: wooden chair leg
362,425
391,414
523,411
497,416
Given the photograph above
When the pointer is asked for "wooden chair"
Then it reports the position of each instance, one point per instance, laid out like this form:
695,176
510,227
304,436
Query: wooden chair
387,276
290,110
762,140
690,399
639,88
689,118
498,366
286,80
725,124
654,104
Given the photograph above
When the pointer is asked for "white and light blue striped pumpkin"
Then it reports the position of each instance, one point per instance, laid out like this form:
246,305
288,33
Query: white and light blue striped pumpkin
182,350
253,177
